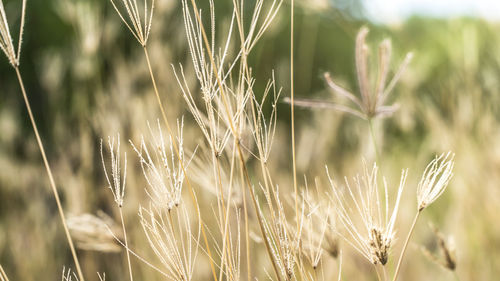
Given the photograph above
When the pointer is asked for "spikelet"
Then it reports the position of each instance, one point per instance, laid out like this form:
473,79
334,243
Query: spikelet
6,39
435,179
448,257
373,239
115,183
139,27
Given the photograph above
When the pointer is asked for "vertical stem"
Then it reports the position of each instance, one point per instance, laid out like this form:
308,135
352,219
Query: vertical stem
378,273
398,267
126,244
374,141
292,108
49,173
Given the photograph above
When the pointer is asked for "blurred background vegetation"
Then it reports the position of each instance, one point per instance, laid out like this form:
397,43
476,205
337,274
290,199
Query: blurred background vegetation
86,78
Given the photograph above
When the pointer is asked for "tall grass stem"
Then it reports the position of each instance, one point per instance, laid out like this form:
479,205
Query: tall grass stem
398,267
51,177
126,244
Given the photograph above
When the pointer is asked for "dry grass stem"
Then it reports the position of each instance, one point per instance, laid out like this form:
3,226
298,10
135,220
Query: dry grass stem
3,275
8,48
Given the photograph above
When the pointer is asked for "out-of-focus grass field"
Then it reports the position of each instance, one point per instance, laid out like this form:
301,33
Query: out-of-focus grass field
87,79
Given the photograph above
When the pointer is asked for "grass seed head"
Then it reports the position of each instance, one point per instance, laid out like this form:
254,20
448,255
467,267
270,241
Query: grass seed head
371,102
94,233
435,179
115,182
139,25
374,235
6,39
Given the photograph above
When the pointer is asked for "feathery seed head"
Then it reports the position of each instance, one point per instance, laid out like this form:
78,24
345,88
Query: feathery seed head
139,27
372,99
161,168
6,39
435,179
374,236
94,233
115,184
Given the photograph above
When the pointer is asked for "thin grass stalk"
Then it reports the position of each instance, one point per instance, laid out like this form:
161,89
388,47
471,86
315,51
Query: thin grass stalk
398,267
247,228
191,190
49,173
292,110
126,245
229,202
235,134
3,276
225,221
374,141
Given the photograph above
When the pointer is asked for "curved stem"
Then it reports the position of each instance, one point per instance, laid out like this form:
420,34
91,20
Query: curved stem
398,267
126,244
49,173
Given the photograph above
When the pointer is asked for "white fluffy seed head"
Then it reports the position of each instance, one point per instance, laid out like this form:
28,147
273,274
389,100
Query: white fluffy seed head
435,179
